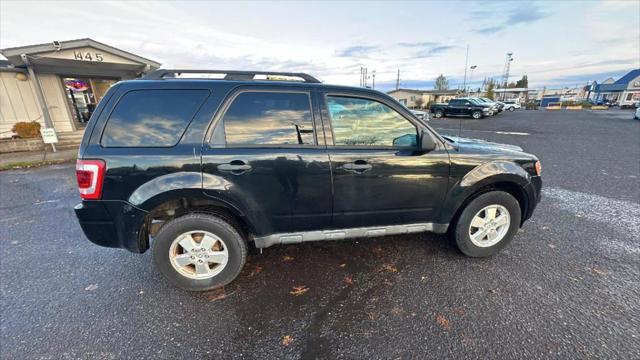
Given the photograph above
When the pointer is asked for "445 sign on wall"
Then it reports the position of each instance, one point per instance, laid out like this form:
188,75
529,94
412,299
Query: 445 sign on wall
88,56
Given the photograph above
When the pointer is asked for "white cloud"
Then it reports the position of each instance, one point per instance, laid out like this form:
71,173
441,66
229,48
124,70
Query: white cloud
561,40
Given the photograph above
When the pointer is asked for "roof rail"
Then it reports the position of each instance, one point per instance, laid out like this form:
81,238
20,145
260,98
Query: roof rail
162,74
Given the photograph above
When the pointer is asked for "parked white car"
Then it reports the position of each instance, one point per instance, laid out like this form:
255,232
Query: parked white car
511,105
422,115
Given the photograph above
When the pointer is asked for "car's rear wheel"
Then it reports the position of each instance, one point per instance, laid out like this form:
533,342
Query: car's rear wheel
476,115
487,224
512,108
438,114
199,252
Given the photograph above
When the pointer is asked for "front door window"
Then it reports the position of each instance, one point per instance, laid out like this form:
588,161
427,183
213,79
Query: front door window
364,122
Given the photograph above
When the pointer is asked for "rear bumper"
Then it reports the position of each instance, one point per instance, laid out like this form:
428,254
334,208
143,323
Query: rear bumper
114,224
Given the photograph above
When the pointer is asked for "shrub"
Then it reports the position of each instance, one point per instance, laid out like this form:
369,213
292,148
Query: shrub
27,130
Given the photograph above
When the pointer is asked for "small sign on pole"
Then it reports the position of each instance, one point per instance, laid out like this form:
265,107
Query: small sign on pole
49,135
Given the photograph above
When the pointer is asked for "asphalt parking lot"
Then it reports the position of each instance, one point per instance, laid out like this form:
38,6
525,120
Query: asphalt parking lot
568,286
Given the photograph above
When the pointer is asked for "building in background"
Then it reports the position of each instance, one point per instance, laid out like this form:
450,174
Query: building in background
409,97
521,94
564,94
624,91
59,84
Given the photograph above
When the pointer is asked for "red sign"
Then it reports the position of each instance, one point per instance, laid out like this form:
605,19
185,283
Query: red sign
76,85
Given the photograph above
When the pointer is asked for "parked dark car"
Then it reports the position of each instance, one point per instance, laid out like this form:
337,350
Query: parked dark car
462,107
200,170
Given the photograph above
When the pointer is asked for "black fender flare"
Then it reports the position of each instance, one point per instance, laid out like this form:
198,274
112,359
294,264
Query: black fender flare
190,185
483,176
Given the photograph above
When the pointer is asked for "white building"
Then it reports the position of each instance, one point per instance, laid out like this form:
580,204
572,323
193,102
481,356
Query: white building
60,83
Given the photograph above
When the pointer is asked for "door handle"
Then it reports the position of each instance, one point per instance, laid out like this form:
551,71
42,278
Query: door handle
236,167
358,166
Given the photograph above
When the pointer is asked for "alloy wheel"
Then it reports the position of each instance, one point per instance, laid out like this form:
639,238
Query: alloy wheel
489,226
198,254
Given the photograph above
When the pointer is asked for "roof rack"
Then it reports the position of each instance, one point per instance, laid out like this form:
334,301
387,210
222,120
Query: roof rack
163,74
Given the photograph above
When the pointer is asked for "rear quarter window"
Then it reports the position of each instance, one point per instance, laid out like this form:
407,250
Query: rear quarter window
151,118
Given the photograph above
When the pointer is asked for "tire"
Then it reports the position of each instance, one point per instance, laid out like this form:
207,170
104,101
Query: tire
438,114
227,240
476,115
464,229
512,109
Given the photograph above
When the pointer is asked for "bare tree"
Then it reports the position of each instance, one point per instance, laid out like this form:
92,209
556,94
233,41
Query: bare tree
441,83
419,102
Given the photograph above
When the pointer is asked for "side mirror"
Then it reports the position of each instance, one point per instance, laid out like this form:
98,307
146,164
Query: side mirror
426,141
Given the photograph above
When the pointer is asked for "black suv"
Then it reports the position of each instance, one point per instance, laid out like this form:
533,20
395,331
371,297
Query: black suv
200,168
462,107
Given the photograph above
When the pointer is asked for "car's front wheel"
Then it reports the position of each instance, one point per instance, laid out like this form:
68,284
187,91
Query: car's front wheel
199,252
487,224
512,109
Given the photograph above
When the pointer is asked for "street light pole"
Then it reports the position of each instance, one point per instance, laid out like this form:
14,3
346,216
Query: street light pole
466,63
473,67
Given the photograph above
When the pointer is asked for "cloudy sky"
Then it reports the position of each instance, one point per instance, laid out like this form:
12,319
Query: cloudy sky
557,43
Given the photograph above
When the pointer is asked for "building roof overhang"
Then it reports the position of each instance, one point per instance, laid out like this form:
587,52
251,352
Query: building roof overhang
35,51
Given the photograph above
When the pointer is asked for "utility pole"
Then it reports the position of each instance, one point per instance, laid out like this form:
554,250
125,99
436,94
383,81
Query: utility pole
466,64
366,76
373,77
398,80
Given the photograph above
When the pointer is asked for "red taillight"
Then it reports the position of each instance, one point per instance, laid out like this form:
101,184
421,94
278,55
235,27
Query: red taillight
90,174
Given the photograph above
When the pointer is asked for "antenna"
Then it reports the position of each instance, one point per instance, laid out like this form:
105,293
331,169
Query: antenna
505,74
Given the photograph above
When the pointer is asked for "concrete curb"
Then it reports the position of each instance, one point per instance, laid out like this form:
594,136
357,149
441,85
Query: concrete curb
37,156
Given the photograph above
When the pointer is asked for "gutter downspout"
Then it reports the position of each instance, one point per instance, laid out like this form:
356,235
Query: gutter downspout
39,94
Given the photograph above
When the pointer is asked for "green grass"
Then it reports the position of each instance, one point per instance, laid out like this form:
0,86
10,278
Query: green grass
29,164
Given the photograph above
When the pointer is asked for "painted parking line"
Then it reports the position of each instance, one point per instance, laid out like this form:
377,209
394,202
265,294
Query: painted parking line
512,133
488,131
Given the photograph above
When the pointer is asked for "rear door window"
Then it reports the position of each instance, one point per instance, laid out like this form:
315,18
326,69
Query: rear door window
151,118
269,118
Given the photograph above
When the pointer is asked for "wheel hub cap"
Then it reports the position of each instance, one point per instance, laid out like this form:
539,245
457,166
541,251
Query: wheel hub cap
198,254
489,226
